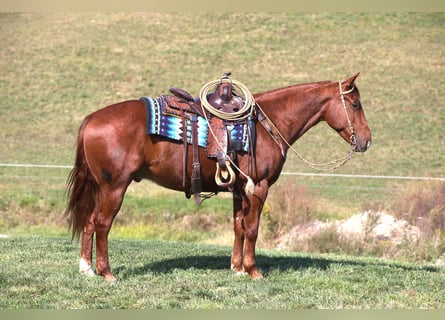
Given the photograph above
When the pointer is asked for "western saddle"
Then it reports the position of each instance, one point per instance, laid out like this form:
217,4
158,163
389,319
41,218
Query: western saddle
183,104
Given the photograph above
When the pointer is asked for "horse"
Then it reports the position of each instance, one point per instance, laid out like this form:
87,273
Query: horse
114,150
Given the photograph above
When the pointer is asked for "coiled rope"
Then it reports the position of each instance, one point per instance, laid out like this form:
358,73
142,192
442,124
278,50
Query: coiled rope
239,115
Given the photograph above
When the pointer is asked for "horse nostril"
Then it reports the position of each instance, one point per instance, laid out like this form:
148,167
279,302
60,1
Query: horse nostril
368,144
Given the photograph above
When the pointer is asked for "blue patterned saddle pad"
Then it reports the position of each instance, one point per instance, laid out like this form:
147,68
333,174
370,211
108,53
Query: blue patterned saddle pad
170,126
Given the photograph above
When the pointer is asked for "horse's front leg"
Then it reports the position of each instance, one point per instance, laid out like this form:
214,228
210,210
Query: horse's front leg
238,228
246,220
253,205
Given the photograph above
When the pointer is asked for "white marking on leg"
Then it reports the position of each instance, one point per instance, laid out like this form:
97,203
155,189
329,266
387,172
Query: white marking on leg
241,273
238,273
85,267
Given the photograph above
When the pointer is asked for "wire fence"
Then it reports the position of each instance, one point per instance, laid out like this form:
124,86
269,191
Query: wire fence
285,173
362,176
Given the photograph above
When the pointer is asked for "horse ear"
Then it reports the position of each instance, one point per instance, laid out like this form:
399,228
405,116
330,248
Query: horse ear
349,82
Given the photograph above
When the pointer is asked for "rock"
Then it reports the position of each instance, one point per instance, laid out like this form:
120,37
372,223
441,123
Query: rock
378,225
366,225
440,262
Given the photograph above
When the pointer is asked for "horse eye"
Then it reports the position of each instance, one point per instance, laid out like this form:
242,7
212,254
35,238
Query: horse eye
355,105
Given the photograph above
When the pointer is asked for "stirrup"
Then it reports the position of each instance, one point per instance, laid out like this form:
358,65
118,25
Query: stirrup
225,178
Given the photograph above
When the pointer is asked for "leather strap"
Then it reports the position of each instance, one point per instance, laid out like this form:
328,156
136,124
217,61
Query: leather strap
196,184
185,154
271,131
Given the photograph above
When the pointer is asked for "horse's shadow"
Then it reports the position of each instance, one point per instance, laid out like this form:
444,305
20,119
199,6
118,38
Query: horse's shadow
267,264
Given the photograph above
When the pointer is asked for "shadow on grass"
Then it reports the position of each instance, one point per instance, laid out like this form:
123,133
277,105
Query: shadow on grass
266,264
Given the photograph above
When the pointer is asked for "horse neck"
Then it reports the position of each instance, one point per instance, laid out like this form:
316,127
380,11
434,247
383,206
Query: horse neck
296,109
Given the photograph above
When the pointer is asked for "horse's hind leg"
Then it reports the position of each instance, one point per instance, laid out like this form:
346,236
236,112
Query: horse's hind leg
85,264
100,223
111,201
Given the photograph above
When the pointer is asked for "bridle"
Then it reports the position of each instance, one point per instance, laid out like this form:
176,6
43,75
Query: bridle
327,166
352,138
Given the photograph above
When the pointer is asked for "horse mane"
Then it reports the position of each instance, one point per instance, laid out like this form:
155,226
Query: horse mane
299,86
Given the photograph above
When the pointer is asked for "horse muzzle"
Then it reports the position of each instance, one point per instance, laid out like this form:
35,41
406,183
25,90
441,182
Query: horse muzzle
358,147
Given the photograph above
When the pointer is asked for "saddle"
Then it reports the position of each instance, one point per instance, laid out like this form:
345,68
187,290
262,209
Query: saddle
182,104
222,99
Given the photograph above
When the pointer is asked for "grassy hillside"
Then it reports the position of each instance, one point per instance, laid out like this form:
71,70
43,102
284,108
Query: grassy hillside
58,67
158,274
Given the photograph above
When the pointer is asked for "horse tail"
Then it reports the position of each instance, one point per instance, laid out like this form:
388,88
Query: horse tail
83,189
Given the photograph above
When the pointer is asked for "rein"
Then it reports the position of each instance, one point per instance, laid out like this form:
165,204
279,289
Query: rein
327,166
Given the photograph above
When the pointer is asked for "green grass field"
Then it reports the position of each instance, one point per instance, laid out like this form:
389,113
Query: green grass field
159,274
55,68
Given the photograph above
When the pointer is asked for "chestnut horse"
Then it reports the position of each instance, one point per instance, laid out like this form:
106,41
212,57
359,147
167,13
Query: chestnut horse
113,150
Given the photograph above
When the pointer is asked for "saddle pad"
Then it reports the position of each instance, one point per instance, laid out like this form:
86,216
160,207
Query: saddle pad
170,126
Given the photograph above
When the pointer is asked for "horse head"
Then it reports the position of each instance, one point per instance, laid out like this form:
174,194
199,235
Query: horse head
344,113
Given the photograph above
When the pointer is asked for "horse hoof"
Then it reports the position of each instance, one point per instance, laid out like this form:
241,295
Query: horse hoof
89,273
110,278
256,275
239,271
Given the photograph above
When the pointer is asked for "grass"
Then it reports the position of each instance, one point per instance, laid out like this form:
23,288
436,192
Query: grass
160,274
